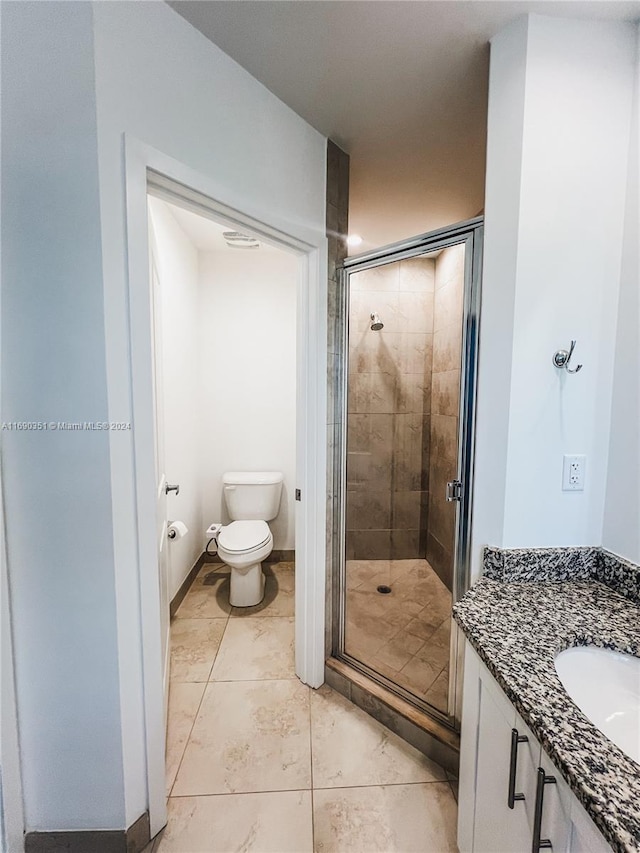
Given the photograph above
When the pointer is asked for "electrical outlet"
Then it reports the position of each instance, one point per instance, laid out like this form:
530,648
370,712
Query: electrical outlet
573,471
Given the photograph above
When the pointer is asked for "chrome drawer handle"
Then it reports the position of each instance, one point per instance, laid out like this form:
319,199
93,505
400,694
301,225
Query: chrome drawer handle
537,842
516,738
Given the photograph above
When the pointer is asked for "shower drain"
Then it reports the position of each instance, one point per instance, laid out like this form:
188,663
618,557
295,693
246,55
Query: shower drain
384,589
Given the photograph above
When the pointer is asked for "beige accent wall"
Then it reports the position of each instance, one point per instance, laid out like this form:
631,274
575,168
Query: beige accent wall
445,401
389,400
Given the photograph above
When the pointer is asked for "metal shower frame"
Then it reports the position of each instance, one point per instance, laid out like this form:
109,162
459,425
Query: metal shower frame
469,232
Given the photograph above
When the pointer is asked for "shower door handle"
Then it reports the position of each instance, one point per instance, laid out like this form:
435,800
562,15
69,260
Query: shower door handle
454,490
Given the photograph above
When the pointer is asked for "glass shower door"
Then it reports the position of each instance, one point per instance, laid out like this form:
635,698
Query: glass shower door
404,416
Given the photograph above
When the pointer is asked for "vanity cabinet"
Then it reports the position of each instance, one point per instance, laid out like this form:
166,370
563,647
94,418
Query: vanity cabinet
512,799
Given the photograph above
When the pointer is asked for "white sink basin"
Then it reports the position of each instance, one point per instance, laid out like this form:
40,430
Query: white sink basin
605,685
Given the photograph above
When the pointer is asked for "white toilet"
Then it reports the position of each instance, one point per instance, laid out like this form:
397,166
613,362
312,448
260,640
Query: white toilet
252,498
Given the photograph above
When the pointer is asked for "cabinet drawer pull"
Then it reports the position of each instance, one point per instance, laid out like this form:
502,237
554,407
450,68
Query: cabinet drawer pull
540,843
516,738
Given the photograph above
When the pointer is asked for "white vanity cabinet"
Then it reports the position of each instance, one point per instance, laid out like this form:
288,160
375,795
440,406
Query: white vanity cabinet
512,799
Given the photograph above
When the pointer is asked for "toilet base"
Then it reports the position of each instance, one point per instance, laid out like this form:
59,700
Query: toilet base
247,586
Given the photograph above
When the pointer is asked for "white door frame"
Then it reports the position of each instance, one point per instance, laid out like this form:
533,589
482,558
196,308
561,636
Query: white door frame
12,807
215,196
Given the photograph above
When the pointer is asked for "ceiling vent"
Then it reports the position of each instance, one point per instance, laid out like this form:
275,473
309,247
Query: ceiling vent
236,240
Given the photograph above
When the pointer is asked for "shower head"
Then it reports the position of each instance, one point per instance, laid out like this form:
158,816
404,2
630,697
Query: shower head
376,323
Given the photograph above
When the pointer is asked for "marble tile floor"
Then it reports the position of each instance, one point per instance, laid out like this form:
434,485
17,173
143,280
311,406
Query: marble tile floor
404,635
258,762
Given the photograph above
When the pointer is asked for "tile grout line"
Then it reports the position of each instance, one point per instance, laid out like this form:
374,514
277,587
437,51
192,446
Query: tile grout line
319,788
373,571
381,785
298,790
215,657
313,819
186,743
206,683
244,680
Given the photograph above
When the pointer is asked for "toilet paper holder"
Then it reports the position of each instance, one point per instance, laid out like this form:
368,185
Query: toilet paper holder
176,530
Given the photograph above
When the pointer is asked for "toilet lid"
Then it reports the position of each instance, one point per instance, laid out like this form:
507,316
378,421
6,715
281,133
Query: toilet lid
244,535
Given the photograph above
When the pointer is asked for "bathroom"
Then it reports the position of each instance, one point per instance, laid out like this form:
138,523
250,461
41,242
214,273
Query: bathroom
560,265
225,367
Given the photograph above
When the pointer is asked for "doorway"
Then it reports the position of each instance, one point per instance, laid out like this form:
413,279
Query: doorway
151,171
410,325
224,332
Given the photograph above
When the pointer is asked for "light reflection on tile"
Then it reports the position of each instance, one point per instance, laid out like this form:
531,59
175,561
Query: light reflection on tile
388,819
403,635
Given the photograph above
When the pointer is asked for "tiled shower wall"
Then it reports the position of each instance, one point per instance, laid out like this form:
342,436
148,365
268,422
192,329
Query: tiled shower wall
389,403
337,229
445,400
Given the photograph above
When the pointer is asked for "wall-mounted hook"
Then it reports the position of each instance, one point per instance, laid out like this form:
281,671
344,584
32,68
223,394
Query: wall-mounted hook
562,358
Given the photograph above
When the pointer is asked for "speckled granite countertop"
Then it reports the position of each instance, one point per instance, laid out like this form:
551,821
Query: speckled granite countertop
518,628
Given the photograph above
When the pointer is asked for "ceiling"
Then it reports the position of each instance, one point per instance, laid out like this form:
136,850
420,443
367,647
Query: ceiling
400,85
207,234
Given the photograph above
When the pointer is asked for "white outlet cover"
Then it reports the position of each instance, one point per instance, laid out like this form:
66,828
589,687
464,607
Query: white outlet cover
573,472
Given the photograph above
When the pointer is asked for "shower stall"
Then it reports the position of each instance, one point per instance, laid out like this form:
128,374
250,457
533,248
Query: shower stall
408,342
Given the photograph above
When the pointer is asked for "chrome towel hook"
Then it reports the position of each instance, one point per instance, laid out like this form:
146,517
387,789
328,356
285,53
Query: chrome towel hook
562,358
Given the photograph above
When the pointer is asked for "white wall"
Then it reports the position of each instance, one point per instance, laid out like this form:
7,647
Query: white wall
248,380
563,218
507,81
57,483
162,82
177,261
621,532
76,77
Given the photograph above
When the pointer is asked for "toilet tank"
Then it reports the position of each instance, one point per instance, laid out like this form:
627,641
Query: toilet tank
252,495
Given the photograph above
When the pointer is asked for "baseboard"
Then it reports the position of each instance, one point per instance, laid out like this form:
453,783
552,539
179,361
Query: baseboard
432,738
132,840
281,556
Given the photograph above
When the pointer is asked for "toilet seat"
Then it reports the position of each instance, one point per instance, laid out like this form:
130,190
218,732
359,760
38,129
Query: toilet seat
242,537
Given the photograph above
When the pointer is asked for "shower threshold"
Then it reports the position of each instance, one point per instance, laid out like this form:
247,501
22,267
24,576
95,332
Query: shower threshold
435,739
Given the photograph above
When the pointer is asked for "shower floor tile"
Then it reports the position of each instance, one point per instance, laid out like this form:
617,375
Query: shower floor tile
404,635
